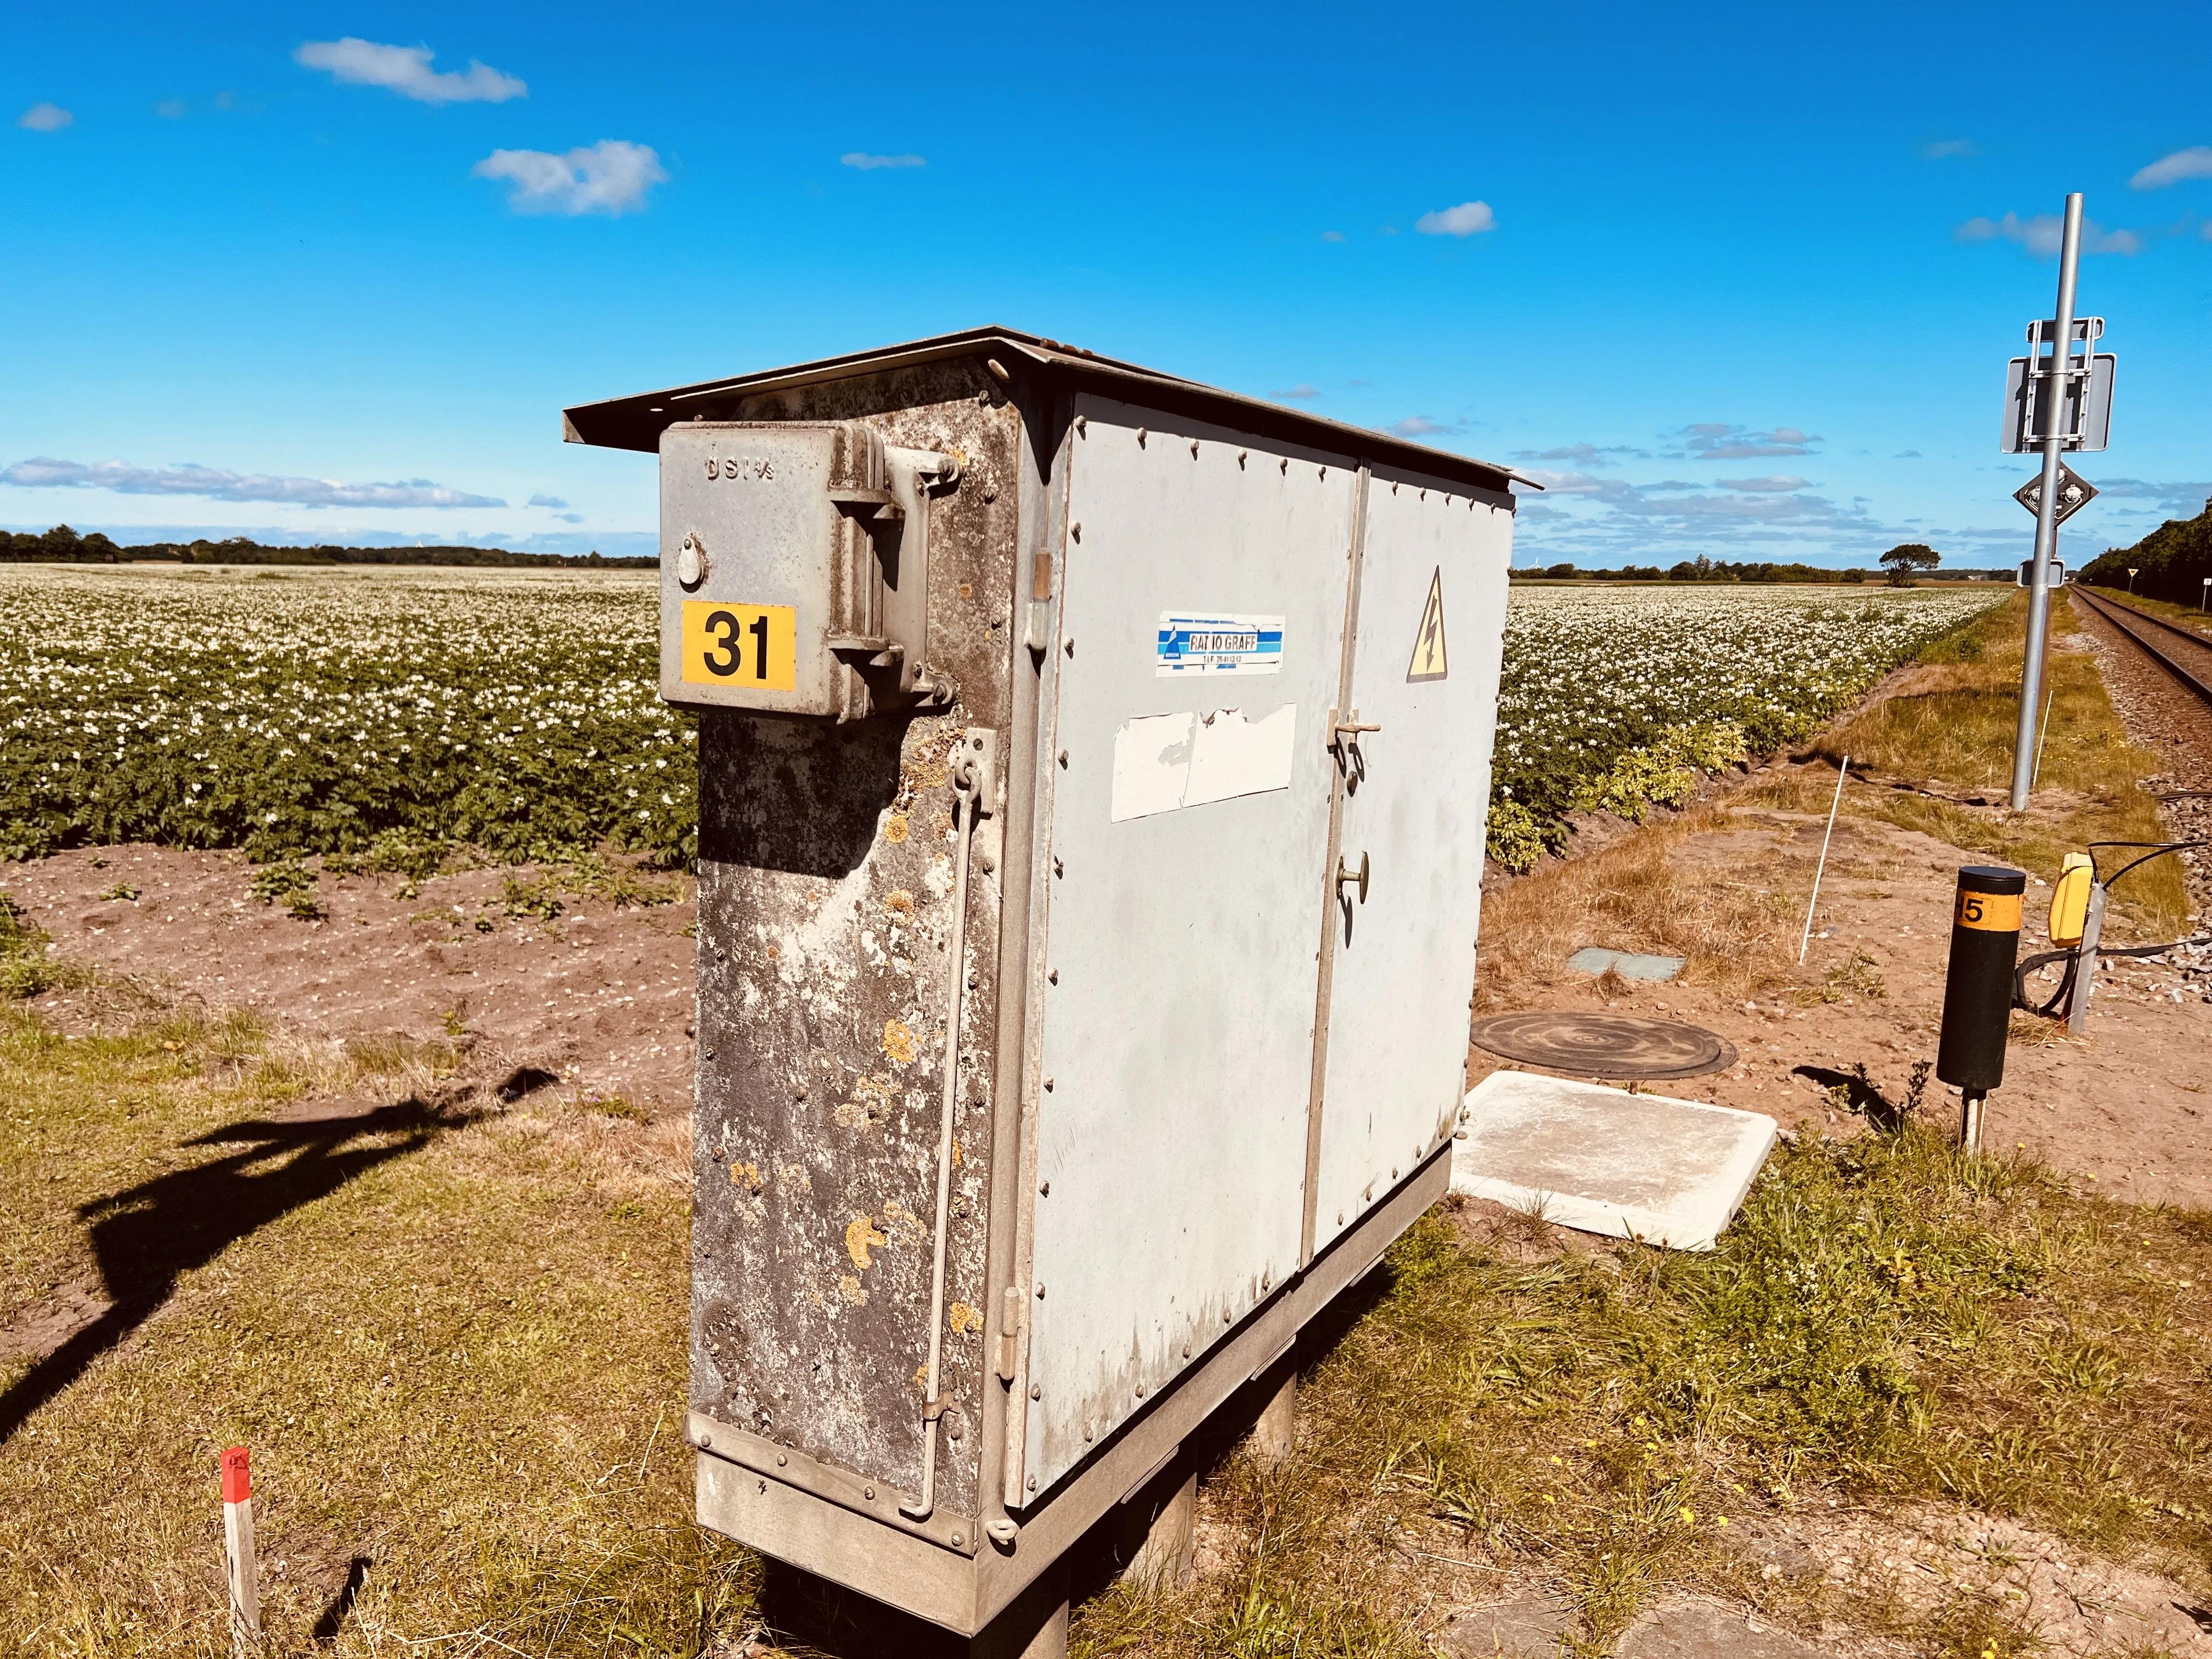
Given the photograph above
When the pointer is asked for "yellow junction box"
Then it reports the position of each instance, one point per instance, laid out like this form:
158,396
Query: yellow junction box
2070,899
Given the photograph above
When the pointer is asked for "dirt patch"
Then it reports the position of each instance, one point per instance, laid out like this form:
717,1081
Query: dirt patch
2125,1106
596,998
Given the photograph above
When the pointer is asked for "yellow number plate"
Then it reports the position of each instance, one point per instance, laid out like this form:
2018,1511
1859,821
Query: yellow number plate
1991,913
748,648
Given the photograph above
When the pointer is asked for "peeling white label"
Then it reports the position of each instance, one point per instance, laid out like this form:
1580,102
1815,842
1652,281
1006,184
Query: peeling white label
1164,763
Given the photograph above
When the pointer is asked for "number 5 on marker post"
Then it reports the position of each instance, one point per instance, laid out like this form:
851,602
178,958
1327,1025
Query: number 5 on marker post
747,648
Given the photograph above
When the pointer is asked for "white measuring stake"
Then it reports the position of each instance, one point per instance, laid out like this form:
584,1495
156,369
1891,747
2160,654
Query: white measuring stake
2048,697
238,1547
1806,942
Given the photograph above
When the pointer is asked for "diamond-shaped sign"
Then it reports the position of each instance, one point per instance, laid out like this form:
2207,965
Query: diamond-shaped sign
2074,493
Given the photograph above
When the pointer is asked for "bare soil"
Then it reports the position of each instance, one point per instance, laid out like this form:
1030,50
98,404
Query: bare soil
598,997
2125,1106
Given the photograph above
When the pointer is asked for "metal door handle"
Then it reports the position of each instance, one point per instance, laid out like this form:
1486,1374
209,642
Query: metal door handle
1352,725
1344,873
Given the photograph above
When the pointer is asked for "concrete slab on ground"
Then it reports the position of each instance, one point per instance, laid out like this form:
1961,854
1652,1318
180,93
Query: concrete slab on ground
1602,1160
1629,964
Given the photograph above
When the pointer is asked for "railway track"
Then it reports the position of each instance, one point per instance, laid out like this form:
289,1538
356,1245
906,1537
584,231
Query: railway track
2191,666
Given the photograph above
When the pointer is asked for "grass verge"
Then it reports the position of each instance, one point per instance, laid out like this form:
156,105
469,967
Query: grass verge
1887,1318
1954,724
454,1341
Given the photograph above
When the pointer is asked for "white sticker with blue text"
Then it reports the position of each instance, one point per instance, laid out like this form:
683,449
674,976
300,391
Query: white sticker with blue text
1218,643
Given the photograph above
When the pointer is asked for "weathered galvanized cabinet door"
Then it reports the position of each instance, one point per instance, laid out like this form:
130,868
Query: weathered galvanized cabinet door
1404,898
1200,631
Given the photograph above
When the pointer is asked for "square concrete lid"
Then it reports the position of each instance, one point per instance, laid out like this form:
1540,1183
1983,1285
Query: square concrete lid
1602,1160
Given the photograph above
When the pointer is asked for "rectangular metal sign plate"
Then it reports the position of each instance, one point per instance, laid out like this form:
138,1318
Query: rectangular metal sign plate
1217,642
753,646
2087,430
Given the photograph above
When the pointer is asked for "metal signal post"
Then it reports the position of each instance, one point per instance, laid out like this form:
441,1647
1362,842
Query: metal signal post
2056,401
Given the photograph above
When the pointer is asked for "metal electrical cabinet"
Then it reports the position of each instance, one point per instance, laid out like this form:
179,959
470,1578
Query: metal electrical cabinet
1093,774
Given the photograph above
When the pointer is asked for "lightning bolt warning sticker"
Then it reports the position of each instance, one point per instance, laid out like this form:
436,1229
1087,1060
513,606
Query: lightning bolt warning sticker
1428,662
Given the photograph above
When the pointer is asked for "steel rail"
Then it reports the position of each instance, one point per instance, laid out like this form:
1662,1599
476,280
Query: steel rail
2112,612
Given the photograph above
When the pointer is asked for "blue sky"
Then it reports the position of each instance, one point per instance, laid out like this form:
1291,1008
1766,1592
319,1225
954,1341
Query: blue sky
1737,280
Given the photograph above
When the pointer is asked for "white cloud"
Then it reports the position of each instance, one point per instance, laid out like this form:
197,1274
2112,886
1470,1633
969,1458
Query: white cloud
2044,234
2195,162
1332,236
1465,220
867,163
406,70
2189,494
1716,440
1586,454
171,109
1777,483
1421,426
546,500
45,118
44,472
1301,391
1944,150
569,518
610,177
1582,484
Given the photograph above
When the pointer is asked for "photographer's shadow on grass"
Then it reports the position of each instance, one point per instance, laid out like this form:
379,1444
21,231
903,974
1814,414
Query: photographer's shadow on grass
148,1237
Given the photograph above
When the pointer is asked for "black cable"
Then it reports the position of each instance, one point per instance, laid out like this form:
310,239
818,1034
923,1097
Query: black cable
2044,959
2158,849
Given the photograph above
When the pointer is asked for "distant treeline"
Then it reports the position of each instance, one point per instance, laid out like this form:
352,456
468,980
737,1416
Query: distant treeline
2171,564
1710,570
63,545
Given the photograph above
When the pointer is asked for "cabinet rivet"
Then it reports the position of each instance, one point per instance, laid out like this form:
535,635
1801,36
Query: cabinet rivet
1040,1292
1035,1393
1051,976
868,1493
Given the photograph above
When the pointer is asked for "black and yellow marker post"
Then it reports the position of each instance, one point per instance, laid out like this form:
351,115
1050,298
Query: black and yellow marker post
1978,988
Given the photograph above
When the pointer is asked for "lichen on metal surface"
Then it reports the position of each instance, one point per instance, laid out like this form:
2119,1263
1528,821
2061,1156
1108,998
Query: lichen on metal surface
825,917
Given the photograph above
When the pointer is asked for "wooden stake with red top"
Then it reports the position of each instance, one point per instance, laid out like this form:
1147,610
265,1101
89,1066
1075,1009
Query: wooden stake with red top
238,1547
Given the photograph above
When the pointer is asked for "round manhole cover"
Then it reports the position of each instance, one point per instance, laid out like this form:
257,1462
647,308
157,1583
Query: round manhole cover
1604,1045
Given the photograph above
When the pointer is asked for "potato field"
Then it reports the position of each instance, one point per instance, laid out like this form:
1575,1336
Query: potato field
386,715
1616,698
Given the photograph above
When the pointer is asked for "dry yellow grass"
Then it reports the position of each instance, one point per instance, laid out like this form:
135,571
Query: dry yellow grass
453,1340
1952,726
1733,933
